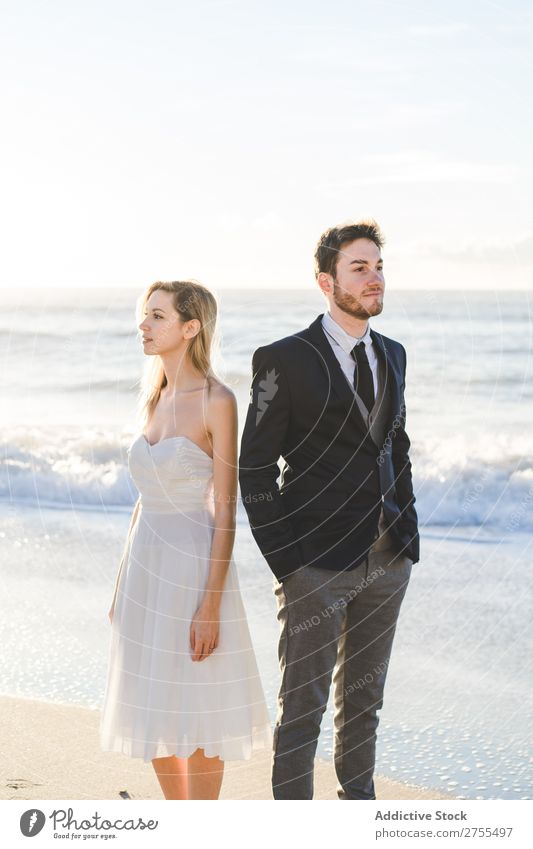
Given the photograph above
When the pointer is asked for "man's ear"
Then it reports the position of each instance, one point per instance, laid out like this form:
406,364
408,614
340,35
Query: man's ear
325,282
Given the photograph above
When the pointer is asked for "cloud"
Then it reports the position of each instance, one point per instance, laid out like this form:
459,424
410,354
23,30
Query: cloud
502,250
440,29
490,250
420,166
267,223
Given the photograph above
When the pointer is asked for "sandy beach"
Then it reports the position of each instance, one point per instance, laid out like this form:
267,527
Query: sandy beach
51,751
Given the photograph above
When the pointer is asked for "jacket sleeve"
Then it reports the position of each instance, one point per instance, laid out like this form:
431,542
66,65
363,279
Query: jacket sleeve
402,464
262,444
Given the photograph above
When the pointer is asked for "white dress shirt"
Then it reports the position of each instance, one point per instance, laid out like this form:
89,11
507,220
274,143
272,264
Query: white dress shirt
342,343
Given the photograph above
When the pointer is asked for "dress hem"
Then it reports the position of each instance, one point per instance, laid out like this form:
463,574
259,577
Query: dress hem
262,739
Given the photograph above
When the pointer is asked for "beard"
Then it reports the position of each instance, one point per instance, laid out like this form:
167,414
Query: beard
352,306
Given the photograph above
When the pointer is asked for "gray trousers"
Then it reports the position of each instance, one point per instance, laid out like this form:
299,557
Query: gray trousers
340,625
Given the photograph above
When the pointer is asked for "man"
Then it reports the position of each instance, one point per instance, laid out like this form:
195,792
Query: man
340,534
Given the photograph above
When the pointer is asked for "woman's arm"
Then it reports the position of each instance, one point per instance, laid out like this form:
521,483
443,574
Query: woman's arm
126,546
222,422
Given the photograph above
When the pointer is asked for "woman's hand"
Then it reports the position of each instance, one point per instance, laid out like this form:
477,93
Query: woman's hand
111,613
204,631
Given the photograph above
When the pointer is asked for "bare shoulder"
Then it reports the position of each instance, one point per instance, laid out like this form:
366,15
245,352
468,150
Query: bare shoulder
222,406
221,395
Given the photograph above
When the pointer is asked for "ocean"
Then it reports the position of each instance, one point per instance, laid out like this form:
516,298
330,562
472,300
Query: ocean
459,693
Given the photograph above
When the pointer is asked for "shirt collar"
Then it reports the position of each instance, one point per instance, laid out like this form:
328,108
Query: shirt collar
340,336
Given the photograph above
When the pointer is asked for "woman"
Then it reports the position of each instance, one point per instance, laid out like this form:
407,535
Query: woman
183,689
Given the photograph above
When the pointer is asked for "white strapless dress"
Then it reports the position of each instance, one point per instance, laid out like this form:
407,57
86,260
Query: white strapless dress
158,701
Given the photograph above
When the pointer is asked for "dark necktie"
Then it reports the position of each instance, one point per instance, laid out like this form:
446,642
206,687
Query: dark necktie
363,381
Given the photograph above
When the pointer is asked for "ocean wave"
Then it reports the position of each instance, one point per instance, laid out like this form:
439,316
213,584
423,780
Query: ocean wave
491,484
76,472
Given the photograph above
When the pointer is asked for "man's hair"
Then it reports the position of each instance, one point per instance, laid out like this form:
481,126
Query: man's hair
333,240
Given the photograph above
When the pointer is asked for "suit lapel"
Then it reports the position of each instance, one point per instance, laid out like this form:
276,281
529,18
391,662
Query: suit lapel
337,378
393,378
334,373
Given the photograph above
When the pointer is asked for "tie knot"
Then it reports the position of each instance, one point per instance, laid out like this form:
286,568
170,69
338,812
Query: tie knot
358,351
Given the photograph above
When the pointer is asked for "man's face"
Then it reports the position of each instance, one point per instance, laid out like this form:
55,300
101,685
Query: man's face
359,284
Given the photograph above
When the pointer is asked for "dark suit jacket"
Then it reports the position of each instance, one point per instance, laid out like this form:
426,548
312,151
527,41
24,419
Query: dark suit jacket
335,479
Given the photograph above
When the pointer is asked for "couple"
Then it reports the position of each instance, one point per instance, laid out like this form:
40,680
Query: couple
339,534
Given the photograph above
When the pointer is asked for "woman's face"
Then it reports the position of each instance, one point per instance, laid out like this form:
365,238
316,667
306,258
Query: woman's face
162,328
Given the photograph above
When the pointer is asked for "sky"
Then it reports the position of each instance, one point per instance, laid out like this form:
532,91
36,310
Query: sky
160,140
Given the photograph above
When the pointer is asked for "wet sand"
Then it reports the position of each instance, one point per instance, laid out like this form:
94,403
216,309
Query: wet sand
51,751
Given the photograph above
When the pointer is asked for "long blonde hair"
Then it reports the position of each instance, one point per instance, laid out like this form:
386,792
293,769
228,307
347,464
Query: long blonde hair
191,300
